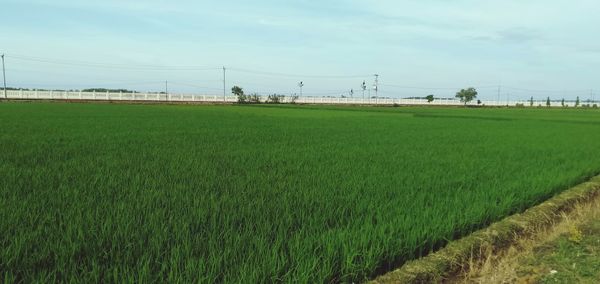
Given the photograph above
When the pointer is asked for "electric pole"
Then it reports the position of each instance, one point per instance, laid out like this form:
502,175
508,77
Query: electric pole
166,90
498,99
376,87
4,76
224,83
364,87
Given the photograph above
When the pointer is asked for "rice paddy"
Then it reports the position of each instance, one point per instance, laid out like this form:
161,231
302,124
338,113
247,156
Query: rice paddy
114,193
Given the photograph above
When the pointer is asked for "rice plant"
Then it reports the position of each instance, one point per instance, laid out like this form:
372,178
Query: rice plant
156,193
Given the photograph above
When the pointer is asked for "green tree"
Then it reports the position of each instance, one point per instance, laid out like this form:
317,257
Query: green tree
548,101
466,95
430,98
531,102
577,102
562,102
239,93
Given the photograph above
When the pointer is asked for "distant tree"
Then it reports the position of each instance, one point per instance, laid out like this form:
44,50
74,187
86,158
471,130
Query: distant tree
531,101
466,95
577,102
275,99
562,102
548,102
293,98
103,90
478,102
239,93
253,98
429,98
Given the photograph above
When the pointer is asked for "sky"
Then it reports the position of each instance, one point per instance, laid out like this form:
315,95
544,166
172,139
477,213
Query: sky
528,48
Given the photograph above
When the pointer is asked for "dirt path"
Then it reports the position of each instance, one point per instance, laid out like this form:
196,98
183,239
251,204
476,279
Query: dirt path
568,252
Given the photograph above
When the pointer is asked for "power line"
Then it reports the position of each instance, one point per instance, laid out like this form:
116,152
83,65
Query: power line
499,88
193,85
90,64
165,67
237,82
110,66
433,88
277,74
155,83
544,91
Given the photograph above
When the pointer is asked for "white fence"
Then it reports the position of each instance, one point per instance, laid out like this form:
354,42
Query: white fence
156,97
114,96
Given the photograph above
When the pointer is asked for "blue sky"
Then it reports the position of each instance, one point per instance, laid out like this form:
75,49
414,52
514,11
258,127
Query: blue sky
531,48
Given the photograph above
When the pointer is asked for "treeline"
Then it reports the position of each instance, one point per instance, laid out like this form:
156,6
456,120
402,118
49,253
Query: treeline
37,89
243,98
103,90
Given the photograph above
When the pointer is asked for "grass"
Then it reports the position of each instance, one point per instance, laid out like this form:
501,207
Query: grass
112,193
568,251
570,262
573,257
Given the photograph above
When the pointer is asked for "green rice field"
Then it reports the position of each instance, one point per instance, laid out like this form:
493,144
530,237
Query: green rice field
247,194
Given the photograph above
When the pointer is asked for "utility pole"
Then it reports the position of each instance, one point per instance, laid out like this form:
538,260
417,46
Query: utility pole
364,87
224,83
4,76
166,90
301,84
376,87
498,100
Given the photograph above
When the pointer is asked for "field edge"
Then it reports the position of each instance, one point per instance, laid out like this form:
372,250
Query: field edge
458,255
